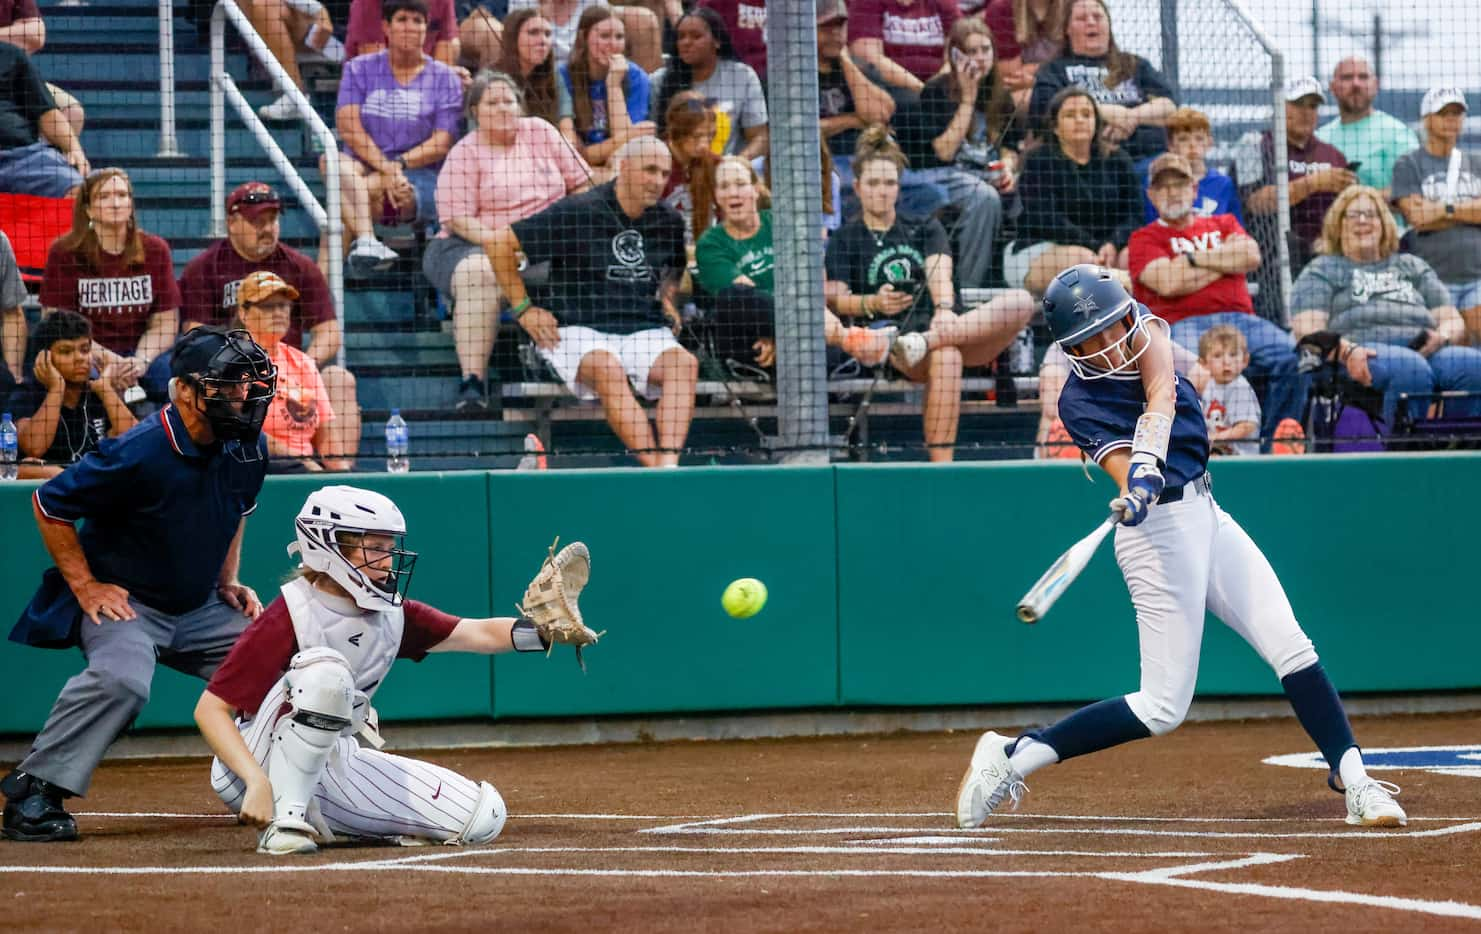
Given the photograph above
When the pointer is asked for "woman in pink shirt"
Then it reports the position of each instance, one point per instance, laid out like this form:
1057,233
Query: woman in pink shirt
297,423
510,167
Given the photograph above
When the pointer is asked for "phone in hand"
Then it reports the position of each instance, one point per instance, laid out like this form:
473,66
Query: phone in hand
958,59
1354,166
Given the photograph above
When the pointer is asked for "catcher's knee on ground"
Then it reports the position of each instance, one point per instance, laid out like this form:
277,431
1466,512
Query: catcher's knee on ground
321,692
487,819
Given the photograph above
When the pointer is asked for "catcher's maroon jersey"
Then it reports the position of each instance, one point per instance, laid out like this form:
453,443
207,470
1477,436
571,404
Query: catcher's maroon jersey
262,653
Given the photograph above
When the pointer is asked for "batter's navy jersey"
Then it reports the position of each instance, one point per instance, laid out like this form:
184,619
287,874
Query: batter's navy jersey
159,512
1101,416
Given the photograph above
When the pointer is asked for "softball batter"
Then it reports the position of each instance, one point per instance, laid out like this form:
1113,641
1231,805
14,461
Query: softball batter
1179,552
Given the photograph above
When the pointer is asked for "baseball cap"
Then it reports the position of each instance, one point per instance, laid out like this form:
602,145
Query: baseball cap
1169,162
1304,86
195,349
1437,99
263,284
830,10
250,199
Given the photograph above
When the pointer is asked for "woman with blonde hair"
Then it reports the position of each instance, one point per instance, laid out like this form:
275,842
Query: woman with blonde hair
1384,315
116,275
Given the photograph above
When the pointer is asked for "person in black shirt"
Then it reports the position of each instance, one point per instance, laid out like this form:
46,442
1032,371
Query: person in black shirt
30,125
616,255
1135,100
1081,203
881,268
67,405
961,136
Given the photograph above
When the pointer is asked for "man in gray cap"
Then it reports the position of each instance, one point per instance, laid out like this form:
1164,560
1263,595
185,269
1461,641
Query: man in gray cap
1438,189
1318,171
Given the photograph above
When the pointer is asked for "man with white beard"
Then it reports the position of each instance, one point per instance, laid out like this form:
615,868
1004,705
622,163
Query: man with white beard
1190,271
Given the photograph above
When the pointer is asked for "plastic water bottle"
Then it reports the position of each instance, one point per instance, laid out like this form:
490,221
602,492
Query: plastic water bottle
10,446
397,443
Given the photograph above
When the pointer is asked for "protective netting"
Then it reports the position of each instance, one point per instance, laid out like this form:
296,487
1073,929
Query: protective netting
738,232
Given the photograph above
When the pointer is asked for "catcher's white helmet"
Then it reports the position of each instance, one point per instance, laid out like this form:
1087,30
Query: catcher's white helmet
341,515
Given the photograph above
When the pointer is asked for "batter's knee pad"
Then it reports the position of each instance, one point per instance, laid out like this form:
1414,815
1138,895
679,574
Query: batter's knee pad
321,692
488,818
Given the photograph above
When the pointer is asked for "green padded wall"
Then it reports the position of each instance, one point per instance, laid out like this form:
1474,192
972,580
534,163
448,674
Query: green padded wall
890,584
452,574
1377,555
664,544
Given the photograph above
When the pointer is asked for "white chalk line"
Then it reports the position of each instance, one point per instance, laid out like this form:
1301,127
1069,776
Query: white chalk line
1175,876
712,830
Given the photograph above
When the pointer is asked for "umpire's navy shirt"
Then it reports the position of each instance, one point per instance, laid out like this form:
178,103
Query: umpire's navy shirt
159,511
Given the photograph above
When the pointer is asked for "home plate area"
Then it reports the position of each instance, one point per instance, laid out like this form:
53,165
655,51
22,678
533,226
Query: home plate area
1238,856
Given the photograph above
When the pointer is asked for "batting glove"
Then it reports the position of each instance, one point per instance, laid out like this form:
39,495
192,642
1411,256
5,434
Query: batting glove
1145,480
1130,509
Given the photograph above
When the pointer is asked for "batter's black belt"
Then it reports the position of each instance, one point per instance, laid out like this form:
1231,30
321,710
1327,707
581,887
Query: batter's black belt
1200,485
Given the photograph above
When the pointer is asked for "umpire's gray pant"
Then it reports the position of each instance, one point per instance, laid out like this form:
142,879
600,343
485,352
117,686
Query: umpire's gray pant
98,704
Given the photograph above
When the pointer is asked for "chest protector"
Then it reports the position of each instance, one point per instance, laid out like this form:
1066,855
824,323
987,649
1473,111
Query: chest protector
368,640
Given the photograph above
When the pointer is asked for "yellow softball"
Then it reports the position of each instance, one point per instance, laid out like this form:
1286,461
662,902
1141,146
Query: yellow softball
744,597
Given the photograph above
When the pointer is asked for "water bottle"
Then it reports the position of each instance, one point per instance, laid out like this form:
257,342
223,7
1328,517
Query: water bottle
397,443
10,446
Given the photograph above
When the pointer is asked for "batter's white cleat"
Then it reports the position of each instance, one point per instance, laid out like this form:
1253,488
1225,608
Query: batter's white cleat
1371,804
989,779
287,837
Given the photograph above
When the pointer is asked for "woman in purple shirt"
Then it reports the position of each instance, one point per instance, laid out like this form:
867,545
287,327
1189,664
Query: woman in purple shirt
397,117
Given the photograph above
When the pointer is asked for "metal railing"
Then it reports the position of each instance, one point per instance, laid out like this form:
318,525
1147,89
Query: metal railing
327,217
169,145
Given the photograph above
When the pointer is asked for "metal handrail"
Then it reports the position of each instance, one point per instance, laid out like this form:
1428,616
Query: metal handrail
169,145
223,88
1278,145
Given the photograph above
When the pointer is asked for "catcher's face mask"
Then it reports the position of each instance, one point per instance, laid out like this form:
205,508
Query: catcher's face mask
379,561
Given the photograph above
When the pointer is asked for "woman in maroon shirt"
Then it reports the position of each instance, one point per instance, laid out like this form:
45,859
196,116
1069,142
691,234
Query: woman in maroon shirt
114,274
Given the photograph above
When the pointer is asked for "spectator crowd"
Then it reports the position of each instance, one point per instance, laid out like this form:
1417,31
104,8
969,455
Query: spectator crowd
594,179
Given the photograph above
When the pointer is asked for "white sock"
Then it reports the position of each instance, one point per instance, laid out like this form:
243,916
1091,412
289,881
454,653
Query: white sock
1350,769
1032,755
333,49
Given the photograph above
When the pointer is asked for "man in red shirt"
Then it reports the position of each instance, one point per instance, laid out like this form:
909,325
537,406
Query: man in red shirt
208,290
1190,271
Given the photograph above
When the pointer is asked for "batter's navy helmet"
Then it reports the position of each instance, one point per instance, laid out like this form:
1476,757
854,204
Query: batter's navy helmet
1085,300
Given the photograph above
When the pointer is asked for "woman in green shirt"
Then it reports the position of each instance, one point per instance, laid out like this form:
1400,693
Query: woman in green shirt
736,261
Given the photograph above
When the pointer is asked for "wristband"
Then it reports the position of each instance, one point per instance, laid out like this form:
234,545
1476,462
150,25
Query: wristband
521,308
526,637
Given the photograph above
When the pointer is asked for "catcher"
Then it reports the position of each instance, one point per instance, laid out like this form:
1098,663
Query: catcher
286,712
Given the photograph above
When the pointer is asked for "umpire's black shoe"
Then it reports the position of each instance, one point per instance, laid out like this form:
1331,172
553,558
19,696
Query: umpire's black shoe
34,812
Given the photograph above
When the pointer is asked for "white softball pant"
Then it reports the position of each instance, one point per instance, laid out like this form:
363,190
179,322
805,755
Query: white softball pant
364,792
1184,558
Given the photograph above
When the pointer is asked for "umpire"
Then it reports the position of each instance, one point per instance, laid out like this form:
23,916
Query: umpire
152,575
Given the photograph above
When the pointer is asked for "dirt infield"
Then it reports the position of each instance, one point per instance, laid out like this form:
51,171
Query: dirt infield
1192,831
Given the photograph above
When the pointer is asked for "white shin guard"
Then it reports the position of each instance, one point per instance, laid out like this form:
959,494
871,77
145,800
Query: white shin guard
488,818
321,691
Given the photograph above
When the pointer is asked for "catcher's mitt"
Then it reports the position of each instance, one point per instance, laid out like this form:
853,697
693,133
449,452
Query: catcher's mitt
550,600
